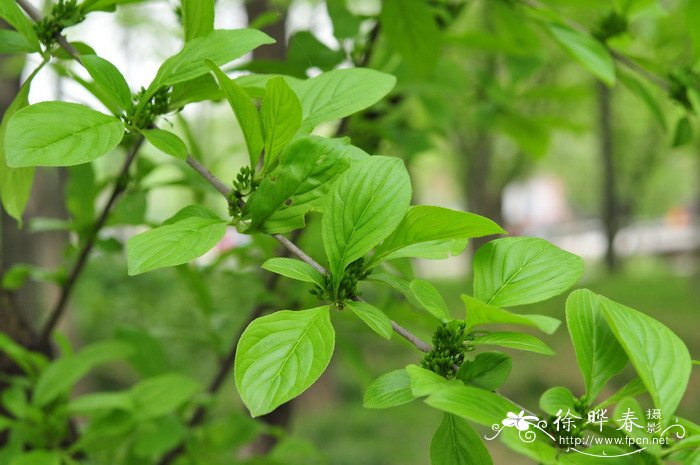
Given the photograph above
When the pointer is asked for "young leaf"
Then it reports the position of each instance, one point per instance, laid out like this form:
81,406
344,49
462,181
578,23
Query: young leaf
245,111
37,457
523,270
520,341
280,355
424,382
60,376
14,42
389,390
174,243
637,88
631,389
373,317
108,77
557,398
221,47
483,407
366,204
15,183
59,134
197,18
161,395
587,50
684,132
430,299
659,356
295,269
11,12
166,142
339,93
456,443
598,353
281,117
479,313
411,30
487,371
428,226
305,173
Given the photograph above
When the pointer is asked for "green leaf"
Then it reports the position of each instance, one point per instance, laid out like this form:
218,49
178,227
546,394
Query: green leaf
659,356
684,132
557,398
166,142
25,359
246,113
585,49
59,134
410,29
60,376
472,403
11,12
221,47
14,42
101,401
345,24
598,353
281,117
340,93
425,382
631,389
108,77
15,183
161,395
456,443
174,243
306,171
197,18
430,299
429,226
366,204
479,313
520,341
373,317
37,457
523,270
280,355
306,51
295,269
487,371
389,390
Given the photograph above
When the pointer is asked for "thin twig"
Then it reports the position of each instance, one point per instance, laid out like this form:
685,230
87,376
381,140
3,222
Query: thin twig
639,69
209,177
119,187
289,245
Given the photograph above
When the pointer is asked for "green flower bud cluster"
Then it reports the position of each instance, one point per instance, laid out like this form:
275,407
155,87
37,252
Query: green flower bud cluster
63,14
244,185
142,113
448,349
347,289
611,25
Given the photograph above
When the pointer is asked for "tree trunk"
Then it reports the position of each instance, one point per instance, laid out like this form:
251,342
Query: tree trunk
610,202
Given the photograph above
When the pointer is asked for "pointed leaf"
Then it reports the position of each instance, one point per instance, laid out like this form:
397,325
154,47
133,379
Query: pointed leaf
487,371
520,341
585,49
660,358
281,117
166,142
197,18
59,134
373,317
340,93
598,353
295,269
173,243
430,299
108,77
479,313
389,390
280,355
456,443
426,224
366,204
523,270
557,398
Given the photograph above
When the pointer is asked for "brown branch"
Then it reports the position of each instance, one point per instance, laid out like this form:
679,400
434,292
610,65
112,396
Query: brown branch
67,287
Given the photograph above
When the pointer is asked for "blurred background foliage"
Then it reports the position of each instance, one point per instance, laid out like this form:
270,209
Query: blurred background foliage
491,115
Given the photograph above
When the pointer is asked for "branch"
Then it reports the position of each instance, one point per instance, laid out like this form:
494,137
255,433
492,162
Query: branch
65,293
